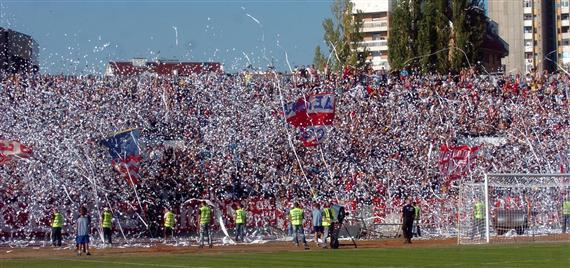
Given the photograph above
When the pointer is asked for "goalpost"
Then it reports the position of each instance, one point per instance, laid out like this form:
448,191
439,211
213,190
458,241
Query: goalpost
510,208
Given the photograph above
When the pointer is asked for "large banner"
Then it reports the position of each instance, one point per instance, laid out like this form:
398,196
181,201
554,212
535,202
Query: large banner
11,149
456,161
310,114
315,109
125,153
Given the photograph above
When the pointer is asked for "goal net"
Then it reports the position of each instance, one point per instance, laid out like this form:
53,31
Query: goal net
507,208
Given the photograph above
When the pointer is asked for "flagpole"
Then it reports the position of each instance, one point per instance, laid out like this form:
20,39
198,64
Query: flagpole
289,135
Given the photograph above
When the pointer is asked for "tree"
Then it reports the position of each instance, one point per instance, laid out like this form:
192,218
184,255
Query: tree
319,59
452,30
460,34
427,37
343,37
399,49
477,25
469,31
442,27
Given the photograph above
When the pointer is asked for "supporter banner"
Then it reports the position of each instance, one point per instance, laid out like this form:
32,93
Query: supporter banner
125,153
316,109
9,149
312,136
455,161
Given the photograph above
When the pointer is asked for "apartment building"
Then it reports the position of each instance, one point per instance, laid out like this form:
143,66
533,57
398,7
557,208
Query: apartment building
532,29
562,33
376,22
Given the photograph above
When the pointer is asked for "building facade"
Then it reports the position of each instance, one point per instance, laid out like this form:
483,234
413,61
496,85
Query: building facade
375,16
563,33
536,31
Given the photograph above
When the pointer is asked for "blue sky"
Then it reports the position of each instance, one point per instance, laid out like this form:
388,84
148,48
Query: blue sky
78,37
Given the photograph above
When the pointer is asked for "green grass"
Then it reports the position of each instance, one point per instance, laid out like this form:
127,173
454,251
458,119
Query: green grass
526,255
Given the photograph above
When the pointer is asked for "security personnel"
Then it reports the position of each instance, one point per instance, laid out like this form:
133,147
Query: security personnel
205,220
56,224
328,219
240,223
296,216
479,219
417,213
408,212
107,224
566,214
168,223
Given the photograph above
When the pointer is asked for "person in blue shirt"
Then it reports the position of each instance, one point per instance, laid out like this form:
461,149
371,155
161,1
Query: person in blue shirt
317,222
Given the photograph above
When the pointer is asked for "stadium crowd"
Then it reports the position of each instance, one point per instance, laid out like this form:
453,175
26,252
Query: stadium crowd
222,137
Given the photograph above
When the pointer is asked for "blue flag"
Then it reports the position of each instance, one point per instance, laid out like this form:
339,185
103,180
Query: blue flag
125,152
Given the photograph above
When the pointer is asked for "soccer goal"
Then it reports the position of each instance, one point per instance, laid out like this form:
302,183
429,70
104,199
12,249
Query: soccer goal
508,208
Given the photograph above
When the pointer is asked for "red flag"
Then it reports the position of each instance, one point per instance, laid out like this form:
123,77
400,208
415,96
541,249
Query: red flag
10,149
456,161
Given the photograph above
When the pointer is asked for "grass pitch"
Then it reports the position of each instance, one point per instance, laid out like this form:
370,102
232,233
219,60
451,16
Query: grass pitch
521,255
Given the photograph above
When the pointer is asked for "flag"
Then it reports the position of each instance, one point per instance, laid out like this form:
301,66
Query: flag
296,113
315,109
310,114
312,136
125,153
456,161
10,149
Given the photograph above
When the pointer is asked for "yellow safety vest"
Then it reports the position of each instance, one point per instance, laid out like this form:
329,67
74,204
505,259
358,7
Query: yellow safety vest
296,216
326,222
240,216
57,221
566,207
169,219
205,215
479,210
107,218
417,212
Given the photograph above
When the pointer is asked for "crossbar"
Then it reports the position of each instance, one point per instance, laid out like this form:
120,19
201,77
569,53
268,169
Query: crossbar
527,175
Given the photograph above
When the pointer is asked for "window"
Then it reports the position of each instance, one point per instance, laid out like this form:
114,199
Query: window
527,3
527,29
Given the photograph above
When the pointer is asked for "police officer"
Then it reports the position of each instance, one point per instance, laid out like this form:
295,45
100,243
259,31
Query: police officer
566,213
416,227
56,224
107,224
478,218
408,212
168,223
205,220
240,223
328,219
296,216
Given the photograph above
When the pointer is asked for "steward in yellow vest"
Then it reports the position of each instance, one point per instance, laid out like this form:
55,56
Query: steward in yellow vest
107,224
56,225
296,216
205,219
168,223
328,220
565,214
240,223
